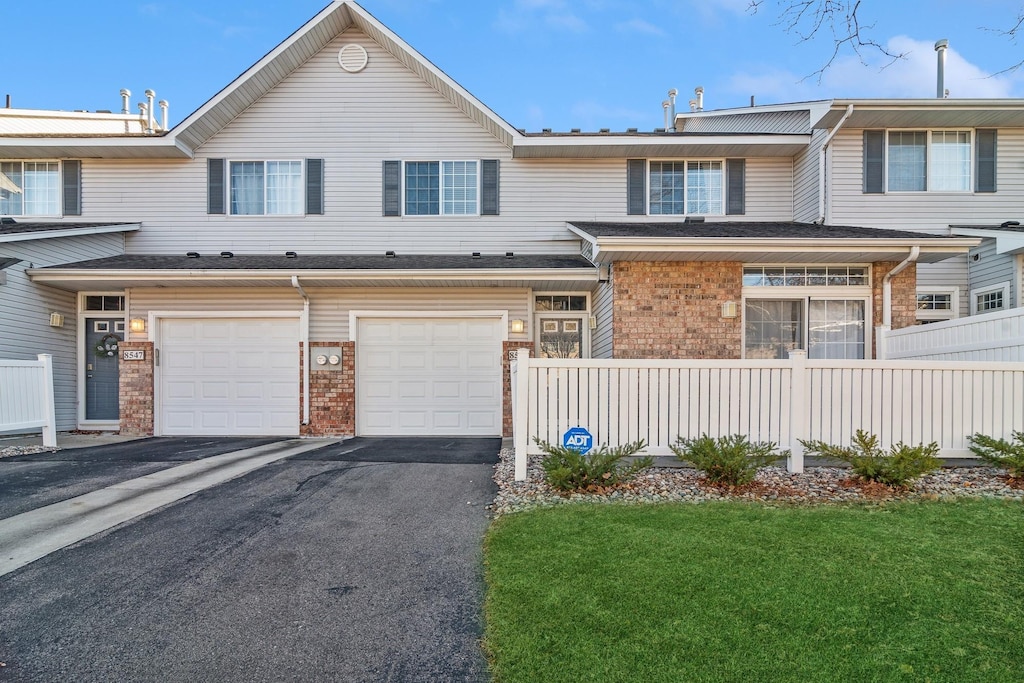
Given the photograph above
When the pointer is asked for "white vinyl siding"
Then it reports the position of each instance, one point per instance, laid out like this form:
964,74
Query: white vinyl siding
923,211
988,270
805,180
25,314
602,337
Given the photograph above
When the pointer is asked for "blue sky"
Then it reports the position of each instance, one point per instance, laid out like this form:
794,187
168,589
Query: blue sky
557,64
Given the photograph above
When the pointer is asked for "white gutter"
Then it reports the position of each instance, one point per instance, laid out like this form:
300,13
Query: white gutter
304,338
882,334
821,163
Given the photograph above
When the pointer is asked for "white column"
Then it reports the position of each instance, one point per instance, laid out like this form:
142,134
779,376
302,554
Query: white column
798,400
49,413
520,410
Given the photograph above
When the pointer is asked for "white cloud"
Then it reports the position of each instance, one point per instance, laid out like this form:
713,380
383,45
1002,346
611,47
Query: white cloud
640,26
914,76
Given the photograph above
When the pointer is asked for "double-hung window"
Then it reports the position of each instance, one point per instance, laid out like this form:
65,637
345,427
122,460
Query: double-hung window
929,161
273,188
441,188
686,187
30,188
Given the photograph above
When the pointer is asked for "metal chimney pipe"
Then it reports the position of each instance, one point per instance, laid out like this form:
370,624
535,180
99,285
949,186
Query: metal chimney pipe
665,105
143,113
940,48
163,114
672,93
151,111
125,94
693,105
699,92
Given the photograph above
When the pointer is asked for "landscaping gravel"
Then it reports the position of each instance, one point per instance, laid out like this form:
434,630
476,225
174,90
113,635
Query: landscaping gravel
773,484
8,451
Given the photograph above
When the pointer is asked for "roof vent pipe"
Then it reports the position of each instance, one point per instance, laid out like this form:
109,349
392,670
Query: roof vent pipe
125,94
143,113
163,114
693,105
151,111
940,86
665,105
672,93
699,92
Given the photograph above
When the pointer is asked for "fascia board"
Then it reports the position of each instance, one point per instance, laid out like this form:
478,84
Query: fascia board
70,232
170,275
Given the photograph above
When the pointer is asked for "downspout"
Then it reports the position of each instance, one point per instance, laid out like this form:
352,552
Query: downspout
304,338
821,163
915,252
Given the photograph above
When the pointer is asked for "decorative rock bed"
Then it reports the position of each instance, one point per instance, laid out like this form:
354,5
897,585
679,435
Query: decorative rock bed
773,484
8,451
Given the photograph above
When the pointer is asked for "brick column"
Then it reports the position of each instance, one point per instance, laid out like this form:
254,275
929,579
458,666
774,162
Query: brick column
135,395
508,348
332,393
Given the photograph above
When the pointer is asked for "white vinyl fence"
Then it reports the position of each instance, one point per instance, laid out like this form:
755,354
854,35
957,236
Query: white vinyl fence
26,397
997,336
619,401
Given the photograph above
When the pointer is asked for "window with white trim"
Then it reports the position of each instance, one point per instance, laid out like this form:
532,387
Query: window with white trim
933,161
937,303
441,188
821,309
271,188
30,188
988,299
686,187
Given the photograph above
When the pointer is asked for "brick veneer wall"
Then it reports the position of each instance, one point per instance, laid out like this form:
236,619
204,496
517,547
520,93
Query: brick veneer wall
904,297
332,394
136,390
506,382
674,309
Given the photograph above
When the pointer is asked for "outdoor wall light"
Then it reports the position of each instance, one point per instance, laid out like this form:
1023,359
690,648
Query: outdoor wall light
137,325
729,309
518,326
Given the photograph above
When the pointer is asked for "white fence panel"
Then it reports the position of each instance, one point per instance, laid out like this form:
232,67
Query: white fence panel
995,337
26,397
619,401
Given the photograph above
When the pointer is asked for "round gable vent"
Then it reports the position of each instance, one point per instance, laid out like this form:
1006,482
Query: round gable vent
352,58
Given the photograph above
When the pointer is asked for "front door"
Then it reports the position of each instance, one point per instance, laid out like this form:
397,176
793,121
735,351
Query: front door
102,337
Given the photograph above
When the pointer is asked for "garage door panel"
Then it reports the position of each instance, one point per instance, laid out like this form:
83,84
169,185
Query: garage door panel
426,376
229,377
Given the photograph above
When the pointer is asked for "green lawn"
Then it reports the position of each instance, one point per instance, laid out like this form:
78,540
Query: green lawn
742,592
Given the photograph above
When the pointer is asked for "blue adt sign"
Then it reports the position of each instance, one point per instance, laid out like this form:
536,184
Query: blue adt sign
578,439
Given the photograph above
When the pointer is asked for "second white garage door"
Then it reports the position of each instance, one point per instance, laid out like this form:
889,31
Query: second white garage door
228,377
428,376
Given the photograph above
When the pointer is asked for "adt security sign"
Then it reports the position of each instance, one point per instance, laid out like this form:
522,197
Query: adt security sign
578,439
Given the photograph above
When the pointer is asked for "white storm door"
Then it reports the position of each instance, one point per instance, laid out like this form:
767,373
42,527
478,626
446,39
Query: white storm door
229,377
429,376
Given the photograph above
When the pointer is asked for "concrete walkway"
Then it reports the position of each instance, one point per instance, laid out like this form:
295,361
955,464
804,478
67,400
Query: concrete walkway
31,535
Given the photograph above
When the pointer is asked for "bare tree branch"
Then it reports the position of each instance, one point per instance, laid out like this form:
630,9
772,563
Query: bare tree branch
1012,33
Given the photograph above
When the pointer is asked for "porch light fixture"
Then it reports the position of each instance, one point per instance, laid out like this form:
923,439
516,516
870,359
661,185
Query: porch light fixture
137,325
730,309
518,326
56,320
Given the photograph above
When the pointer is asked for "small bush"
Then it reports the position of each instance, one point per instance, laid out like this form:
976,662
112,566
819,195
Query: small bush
1000,452
567,470
895,468
730,460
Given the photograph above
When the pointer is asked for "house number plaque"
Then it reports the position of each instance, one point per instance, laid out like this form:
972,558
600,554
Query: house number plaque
134,354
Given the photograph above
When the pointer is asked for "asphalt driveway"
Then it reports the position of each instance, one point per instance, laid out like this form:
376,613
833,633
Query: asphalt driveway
355,562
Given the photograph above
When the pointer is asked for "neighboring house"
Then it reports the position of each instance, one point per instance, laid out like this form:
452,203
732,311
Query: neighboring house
344,196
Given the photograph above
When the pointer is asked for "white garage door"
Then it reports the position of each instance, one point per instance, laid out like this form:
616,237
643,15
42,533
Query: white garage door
234,376
429,376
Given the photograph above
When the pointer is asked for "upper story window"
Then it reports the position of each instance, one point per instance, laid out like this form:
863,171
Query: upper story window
272,188
440,188
992,298
711,187
686,187
30,188
929,161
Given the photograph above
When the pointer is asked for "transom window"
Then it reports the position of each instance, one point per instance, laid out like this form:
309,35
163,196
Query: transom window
104,302
30,188
686,187
938,161
272,188
448,188
821,309
560,302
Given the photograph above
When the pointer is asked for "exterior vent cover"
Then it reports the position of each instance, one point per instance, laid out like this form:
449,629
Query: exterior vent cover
352,58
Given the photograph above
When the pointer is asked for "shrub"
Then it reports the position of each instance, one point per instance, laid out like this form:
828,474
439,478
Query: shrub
1000,452
731,460
568,470
894,468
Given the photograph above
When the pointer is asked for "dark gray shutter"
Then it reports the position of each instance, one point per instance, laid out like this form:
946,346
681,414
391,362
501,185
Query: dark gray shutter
214,186
736,187
636,187
392,188
489,187
986,160
72,181
315,186
874,162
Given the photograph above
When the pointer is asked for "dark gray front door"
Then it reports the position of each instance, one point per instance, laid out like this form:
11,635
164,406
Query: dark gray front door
101,356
